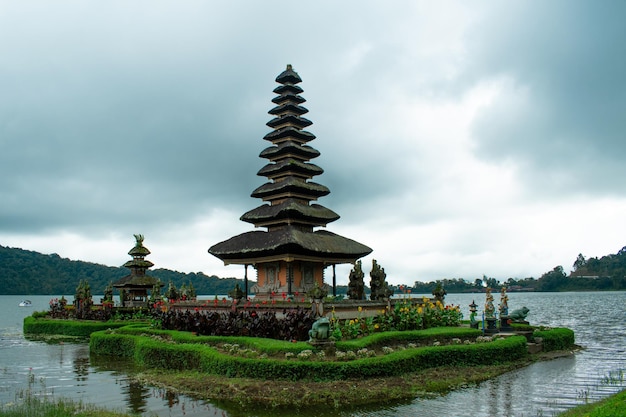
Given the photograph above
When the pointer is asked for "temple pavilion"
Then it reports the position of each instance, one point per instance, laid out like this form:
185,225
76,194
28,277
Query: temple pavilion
134,287
290,256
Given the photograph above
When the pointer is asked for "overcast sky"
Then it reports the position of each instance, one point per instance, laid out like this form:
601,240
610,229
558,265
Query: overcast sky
457,138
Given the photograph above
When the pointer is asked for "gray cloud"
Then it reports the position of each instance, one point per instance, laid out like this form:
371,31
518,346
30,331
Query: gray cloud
148,117
563,121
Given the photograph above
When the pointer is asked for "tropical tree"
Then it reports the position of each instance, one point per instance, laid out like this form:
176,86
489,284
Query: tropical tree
580,262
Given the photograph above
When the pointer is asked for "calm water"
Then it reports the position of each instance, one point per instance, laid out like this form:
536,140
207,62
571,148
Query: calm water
543,389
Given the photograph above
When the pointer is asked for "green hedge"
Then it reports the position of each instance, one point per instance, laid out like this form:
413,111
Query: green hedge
40,326
556,339
154,351
122,345
415,336
262,345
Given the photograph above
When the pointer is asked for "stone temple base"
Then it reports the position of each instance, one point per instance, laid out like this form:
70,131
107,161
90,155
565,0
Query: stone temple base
491,327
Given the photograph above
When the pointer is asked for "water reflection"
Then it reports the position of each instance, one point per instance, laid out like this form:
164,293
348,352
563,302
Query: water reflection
80,364
136,396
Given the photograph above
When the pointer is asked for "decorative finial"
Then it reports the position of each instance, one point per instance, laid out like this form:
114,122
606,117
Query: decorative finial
139,239
288,67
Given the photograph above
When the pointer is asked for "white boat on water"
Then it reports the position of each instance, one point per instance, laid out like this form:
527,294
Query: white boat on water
25,303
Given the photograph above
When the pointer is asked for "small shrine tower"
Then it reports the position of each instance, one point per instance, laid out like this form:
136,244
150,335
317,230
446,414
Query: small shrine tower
290,257
134,287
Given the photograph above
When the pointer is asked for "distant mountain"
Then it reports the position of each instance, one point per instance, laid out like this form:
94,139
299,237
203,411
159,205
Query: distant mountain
28,272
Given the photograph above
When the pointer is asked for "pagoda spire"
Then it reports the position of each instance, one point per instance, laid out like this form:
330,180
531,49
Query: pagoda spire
134,286
138,264
291,253
289,171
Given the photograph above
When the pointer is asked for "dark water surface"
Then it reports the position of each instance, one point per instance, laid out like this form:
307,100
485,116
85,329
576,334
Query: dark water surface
543,389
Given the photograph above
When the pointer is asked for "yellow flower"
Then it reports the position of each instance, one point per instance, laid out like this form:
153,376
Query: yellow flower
419,310
360,309
376,326
351,322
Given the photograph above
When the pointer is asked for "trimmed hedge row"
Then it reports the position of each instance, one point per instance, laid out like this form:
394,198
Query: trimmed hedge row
153,351
39,326
556,339
262,345
273,346
416,336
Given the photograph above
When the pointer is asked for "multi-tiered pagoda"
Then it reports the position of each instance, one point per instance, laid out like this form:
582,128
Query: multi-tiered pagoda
291,255
134,287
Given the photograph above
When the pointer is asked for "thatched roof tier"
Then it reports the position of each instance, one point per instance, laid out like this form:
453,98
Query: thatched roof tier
291,211
288,76
139,263
289,149
289,120
290,187
288,96
289,133
289,243
139,250
290,166
137,281
290,108
288,89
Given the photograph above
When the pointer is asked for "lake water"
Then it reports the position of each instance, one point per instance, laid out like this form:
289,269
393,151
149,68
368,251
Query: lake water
542,389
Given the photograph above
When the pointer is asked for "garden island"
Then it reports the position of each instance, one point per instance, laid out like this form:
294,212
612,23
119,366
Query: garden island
290,327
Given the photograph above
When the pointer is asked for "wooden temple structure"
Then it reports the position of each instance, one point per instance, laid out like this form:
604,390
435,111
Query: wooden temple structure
290,256
134,287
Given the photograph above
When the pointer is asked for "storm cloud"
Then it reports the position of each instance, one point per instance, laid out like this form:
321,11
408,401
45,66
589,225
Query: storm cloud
457,139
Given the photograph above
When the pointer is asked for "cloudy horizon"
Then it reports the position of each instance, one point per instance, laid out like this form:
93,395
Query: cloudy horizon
457,139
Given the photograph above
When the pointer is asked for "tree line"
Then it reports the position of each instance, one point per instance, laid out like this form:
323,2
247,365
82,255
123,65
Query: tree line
594,274
28,272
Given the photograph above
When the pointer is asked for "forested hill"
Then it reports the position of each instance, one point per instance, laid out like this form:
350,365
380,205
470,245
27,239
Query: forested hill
26,272
607,273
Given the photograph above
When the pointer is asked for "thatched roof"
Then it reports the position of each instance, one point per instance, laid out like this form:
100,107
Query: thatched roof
291,242
289,148
290,165
291,186
136,281
288,76
291,209
289,132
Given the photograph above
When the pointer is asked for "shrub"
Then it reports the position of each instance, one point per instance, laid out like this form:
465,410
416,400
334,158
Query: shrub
113,344
556,339
405,316
294,324
34,326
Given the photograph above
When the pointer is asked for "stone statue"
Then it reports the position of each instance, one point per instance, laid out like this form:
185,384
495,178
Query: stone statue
504,303
155,294
172,293
378,283
490,310
236,293
320,331
317,292
519,315
108,293
439,292
356,286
